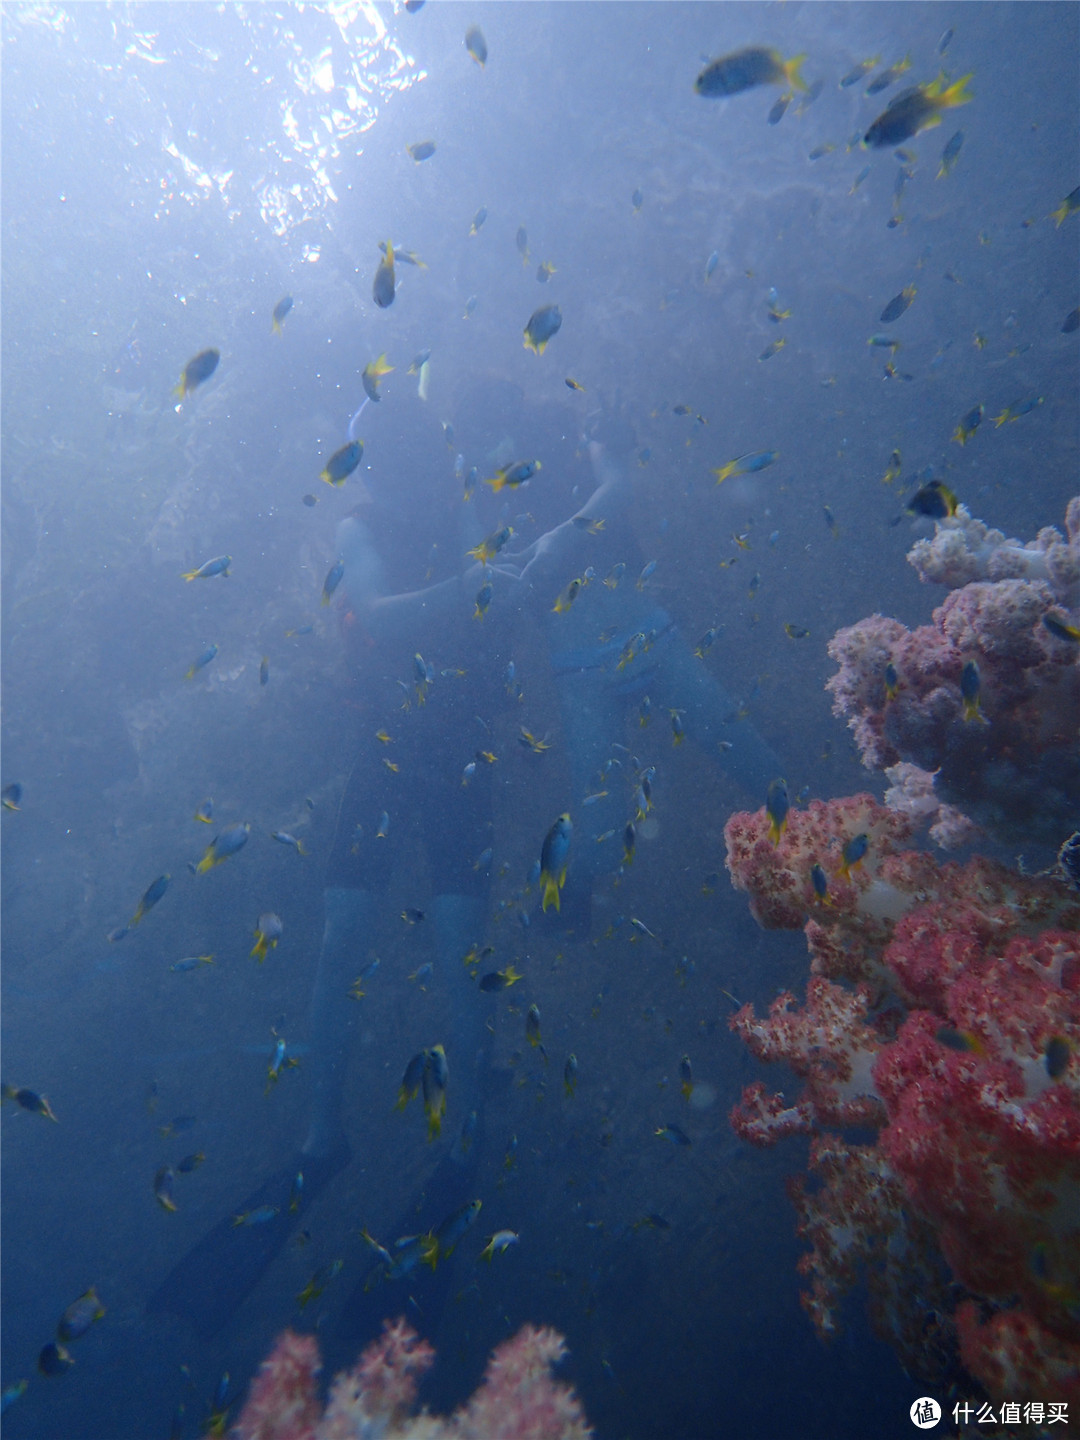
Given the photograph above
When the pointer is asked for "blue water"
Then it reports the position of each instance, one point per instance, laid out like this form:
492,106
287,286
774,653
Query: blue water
170,172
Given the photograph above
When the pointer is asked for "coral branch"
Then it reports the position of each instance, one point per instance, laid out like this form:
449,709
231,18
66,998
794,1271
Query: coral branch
517,1400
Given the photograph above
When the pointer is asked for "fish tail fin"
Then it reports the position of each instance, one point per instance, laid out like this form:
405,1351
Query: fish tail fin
206,863
723,473
496,482
259,950
957,93
276,328
300,848
792,69
551,891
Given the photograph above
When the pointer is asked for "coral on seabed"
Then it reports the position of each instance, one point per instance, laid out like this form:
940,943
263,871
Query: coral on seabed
942,1012
376,1400
1012,766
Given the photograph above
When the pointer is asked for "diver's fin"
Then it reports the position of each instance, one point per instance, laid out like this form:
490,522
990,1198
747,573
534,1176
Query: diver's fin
217,1274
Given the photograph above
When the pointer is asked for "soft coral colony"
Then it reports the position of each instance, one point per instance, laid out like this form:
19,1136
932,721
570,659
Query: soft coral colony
376,1400
942,1012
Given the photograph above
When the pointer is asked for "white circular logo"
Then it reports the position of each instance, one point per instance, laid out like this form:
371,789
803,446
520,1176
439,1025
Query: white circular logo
925,1413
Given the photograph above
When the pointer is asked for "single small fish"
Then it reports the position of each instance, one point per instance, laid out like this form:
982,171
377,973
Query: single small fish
745,69
382,288
572,384
968,425
820,151
413,916
11,1393
218,566
490,546
710,265
318,1283
532,1025
950,154
163,1186
474,229
223,846
476,45
371,378
201,662
962,1042
433,1082
892,681
542,325
897,305
332,581
284,838
177,1126
1061,629
570,1070
686,1077
11,795
1018,408
796,632
673,1133
151,895
970,688
501,1242
746,464
615,574
637,200
777,805
196,372
261,1215
190,962
281,309
544,271
1071,323
268,931
421,151
191,1162
567,597
54,1359
887,77
1069,206
1057,1055
933,500
856,73
916,109
853,853
80,1315
553,860
496,980
647,573
773,348
342,463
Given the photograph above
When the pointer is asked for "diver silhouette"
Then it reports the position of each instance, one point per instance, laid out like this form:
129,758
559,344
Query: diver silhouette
600,682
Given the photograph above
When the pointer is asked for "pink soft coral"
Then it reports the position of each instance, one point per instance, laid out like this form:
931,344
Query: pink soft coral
518,1399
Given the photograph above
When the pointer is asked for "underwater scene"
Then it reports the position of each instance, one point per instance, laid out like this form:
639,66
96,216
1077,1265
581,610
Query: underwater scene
511,512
